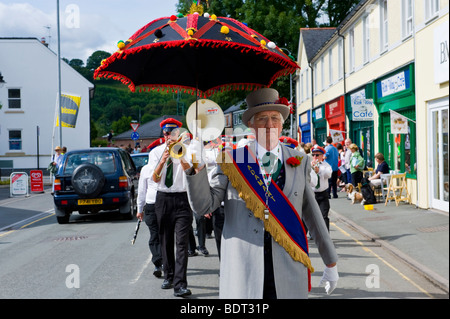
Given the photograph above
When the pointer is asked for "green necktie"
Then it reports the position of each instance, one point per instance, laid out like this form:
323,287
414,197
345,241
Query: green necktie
268,161
169,173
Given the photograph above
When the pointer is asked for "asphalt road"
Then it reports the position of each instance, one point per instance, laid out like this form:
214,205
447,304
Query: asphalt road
92,257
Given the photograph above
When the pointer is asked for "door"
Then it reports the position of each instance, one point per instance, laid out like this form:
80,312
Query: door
438,155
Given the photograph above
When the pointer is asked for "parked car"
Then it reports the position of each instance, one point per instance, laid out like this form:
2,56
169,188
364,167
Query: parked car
140,160
94,180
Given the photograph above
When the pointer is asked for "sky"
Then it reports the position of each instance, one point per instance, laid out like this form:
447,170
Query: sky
86,25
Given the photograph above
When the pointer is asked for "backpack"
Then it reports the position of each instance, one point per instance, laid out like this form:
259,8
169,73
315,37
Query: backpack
367,192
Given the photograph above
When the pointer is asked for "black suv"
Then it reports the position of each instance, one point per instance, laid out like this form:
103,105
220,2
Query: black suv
93,180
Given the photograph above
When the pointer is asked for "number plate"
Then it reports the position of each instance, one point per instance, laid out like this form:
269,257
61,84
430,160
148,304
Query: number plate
95,201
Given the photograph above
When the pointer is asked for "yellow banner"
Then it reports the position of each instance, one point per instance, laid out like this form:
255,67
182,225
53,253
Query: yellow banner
69,110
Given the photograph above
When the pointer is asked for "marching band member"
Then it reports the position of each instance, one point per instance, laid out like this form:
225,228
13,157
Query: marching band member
266,194
173,212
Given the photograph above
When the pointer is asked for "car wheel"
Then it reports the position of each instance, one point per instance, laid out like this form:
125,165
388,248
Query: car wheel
128,209
62,216
88,180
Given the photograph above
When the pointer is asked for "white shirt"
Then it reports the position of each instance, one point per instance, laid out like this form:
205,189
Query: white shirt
146,189
325,172
179,177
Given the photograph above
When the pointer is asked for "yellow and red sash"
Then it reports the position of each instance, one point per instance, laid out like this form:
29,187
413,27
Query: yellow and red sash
284,223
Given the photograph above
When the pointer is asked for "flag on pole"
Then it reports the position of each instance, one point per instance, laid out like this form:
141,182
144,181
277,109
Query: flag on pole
399,123
69,110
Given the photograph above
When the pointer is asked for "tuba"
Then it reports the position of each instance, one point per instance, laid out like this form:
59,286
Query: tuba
205,120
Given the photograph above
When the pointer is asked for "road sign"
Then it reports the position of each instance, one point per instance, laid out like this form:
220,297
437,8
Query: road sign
134,126
19,184
135,136
37,181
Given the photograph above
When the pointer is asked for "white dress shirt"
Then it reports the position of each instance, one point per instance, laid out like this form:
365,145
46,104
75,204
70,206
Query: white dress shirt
325,172
179,177
146,189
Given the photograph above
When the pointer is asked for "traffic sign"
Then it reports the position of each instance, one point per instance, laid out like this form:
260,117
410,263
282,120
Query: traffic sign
134,126
135,136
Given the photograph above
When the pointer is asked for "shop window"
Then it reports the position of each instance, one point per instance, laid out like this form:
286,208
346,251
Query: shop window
404,152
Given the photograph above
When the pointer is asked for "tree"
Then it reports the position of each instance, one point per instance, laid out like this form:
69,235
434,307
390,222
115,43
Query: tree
94,61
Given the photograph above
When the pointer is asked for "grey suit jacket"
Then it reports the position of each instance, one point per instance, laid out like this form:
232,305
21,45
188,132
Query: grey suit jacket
242,248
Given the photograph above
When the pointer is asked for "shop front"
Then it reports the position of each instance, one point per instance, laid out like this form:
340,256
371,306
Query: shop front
360,113
305,126
394,97
319,125
438,154
335,115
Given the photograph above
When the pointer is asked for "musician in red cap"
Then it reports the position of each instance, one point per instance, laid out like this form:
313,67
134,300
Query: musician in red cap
173,211
323,171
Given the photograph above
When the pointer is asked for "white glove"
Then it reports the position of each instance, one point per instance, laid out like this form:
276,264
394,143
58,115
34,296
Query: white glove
330,278
196,150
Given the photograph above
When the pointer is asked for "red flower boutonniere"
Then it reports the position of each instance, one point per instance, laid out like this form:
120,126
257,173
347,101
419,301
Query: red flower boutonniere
294,161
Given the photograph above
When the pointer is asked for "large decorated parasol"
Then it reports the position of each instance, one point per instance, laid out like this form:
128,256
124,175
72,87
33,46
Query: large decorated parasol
199,54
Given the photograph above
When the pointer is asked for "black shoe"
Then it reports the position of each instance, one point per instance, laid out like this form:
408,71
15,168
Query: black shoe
203,250
167,284
182,292
157,272
192,253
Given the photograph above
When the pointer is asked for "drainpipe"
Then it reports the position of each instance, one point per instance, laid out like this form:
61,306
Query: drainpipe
344,79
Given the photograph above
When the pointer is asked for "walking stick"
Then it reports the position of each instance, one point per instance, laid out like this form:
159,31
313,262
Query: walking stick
136,232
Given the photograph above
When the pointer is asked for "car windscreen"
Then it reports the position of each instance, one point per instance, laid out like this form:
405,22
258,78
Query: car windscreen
104,160
140,161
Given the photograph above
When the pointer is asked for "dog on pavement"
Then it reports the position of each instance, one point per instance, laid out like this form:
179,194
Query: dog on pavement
355,196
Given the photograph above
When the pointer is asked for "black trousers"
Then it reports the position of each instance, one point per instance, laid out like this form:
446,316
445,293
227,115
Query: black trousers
332,184
174,219
324,204
153,243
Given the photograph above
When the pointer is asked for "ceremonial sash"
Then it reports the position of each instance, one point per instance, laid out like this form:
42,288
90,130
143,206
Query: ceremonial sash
284,223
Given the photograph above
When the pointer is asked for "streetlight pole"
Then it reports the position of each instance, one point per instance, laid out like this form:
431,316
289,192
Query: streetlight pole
59,74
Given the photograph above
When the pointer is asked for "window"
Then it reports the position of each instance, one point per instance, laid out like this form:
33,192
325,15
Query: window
384,43
330,66
407,18
14,99
15,140
302,86
366,38
315,78
352,49
431,9
322,73
307,84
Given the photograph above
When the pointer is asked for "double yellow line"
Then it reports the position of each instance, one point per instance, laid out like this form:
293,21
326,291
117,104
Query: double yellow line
26,225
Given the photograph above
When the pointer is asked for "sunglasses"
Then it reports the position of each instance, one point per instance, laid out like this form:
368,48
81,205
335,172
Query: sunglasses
316,155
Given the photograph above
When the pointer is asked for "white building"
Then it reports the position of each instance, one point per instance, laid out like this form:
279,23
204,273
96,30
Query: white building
28,94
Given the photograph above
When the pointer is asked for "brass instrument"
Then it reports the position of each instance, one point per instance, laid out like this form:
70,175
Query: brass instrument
205,120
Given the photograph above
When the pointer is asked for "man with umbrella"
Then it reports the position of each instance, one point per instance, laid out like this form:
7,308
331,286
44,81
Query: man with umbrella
265,189
173,212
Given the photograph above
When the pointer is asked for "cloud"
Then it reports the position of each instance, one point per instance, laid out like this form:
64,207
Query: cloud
86,25
82,33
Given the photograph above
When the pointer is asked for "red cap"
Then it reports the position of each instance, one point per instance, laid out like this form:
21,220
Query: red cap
317,148
170,123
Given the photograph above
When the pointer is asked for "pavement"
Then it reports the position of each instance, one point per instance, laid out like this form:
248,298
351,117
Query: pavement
419,237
